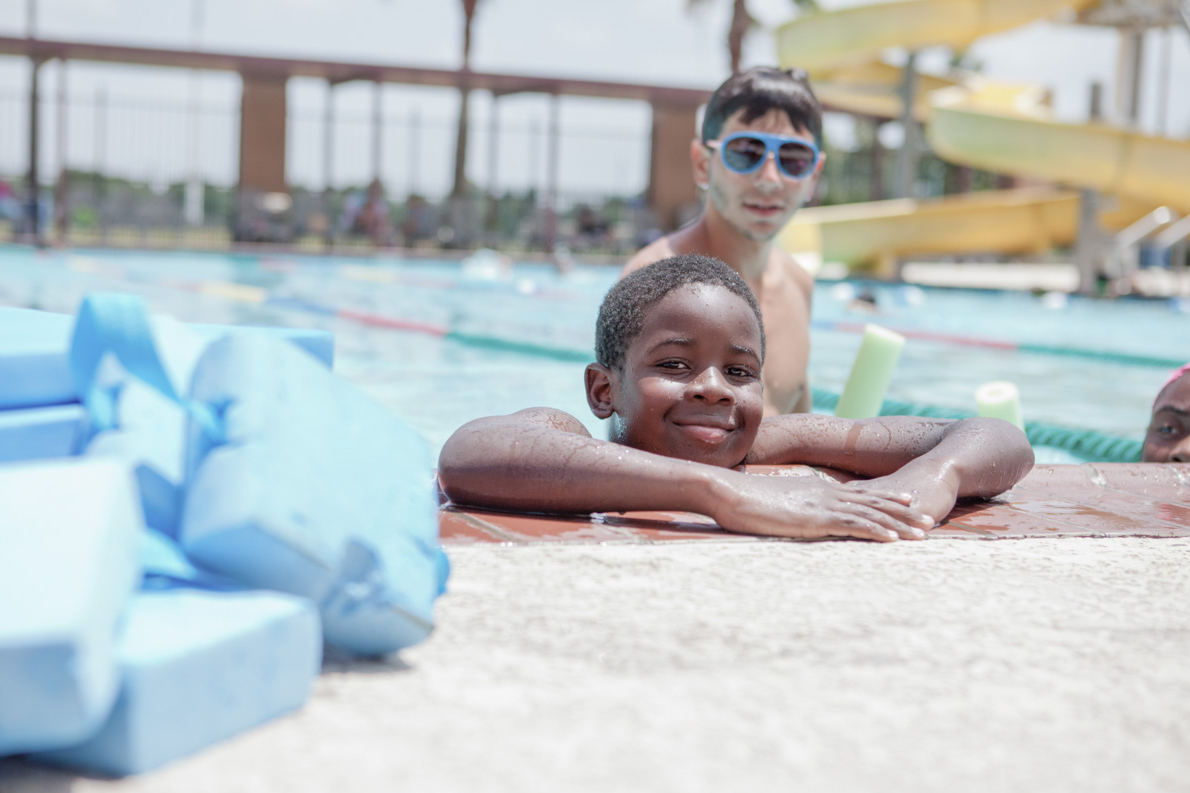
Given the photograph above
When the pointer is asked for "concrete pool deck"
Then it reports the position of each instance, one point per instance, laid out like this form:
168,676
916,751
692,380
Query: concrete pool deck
729,663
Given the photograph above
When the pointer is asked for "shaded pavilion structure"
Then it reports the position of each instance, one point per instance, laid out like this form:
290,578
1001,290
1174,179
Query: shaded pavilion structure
262,140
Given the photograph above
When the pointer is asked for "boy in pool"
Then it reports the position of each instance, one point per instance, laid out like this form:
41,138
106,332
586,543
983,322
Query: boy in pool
679,346
1168,437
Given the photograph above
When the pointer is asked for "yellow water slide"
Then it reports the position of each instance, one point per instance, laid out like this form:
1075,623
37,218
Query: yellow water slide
969,121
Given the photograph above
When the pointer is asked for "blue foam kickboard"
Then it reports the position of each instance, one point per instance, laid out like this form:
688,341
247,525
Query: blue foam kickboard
69,548
318,491
35,371
198,667
40,433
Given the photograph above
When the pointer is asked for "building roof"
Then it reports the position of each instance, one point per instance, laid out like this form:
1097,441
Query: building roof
340,71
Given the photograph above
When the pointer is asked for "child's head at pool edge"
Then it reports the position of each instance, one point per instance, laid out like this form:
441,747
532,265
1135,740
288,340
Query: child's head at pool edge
679,345
1168,436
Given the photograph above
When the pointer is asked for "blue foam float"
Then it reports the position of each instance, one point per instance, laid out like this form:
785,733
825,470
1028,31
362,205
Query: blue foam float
150,435
40,433
197,667
314,490
69,548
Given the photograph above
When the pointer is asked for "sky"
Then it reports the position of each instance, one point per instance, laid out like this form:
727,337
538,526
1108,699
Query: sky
149,134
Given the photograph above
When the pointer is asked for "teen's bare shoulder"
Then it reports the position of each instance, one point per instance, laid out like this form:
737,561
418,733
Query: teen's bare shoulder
794,273
653,252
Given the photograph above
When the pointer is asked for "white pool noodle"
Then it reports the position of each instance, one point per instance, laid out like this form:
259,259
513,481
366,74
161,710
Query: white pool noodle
1000,399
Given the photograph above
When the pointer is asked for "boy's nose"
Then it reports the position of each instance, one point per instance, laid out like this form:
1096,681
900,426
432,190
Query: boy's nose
711,385
1181,452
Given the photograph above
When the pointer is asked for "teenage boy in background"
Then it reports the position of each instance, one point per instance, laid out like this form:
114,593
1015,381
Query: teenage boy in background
758,159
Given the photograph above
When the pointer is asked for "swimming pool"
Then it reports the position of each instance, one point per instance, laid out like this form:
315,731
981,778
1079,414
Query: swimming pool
440,343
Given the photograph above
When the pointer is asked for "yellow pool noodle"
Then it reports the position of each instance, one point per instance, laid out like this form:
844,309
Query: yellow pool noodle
1000,399
870,374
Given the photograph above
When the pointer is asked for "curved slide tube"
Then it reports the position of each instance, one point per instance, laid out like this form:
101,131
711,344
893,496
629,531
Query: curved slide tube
975,123
1113,160
873,234
825,41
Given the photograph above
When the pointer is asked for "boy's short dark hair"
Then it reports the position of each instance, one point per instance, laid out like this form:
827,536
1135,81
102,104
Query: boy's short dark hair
622,315
759,90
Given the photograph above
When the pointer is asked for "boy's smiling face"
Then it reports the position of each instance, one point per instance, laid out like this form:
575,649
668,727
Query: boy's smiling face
690,386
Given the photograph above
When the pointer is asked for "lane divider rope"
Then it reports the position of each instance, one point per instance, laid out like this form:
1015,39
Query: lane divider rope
1010,346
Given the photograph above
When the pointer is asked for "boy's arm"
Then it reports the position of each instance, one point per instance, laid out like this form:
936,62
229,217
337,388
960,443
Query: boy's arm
544,460
933,461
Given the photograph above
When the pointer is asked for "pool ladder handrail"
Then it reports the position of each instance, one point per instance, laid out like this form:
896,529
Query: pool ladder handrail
1174,239
1126,244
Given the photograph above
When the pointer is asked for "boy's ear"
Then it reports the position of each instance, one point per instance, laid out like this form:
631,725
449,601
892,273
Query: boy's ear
599,390
700,158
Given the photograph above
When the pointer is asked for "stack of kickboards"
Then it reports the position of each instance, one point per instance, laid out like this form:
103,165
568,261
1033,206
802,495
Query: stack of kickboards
187,514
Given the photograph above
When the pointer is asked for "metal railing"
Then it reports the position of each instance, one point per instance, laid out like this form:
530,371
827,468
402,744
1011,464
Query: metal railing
1126,245
1172,243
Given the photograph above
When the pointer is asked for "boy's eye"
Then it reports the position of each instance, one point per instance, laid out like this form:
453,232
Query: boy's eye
740,371
672,365
1166,429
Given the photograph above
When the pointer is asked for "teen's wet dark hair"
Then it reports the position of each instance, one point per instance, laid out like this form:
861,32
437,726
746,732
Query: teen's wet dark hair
759,90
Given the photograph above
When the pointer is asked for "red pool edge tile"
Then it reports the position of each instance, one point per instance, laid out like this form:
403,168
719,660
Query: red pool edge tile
1089,500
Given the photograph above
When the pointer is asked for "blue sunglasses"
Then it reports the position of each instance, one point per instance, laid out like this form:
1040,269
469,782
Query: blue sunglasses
745,152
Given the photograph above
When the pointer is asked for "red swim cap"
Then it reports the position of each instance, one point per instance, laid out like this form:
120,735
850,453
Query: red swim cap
1181,370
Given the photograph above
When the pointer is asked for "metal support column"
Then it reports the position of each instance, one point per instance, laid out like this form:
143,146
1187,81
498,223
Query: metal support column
192,207
551,200
328,158
1129,65
910,153
62,186
876,181
1090,246
377,129
414,152
534,158
493,162
32,191
100,162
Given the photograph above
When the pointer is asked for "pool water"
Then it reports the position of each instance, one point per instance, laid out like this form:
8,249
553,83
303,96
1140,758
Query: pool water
431,371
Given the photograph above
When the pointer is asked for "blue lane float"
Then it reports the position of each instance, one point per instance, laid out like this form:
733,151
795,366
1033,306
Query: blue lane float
264,506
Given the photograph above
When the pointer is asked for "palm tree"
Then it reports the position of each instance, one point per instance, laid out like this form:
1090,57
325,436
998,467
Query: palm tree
742,22
460,184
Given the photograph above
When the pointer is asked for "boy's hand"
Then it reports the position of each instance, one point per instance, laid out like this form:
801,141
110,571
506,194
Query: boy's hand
809,507
932,493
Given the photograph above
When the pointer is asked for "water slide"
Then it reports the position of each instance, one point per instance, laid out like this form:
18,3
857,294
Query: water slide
975,122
